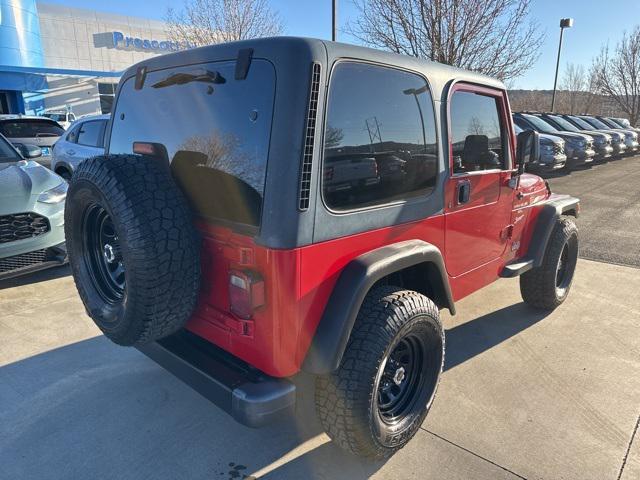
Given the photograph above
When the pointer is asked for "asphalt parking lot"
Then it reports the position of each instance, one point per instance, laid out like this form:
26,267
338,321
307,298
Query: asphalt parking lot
524,395
610,220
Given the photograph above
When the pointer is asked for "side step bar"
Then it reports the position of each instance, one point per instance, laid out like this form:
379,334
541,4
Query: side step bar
251,398
516,269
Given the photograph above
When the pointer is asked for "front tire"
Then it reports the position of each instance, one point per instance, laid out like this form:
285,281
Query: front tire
546,287
379,396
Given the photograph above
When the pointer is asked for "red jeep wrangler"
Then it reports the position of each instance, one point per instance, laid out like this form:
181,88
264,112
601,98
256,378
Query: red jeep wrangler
283,205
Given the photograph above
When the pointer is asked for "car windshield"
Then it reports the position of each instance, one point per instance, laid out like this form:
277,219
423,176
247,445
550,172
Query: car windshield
615,123
8,154
540,124
563,124
595,122
58,117
583,124
30,128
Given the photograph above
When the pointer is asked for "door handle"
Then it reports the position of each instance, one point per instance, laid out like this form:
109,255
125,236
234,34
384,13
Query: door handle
463,192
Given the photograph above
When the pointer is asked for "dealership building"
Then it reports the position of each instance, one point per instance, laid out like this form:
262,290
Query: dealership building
54,57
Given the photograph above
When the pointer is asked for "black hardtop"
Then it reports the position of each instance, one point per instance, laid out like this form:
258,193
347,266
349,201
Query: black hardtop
276,49
284,224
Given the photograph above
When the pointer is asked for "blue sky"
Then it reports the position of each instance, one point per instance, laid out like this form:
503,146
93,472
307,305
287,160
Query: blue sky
596,22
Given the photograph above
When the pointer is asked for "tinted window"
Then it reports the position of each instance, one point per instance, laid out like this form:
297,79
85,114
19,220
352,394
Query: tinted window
216,131
476,132
540,124
30,128
7,153
563,124
596,123
72,135
91,134
380,137
582,124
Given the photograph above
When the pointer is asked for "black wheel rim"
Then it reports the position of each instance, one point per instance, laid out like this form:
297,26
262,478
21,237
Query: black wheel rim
102,254
401,379
562,269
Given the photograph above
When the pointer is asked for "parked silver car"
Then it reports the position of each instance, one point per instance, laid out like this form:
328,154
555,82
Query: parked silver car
84,139
30,130
32,202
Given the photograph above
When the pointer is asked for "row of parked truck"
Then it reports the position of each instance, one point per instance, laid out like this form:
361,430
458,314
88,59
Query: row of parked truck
568,142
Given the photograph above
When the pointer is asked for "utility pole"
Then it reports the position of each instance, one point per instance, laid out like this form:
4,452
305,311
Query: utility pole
564,23
334,20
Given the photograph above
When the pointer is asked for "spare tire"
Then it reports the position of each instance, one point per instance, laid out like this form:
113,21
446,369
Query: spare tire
133,249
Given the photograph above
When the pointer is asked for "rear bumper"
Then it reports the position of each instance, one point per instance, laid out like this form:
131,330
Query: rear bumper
250,397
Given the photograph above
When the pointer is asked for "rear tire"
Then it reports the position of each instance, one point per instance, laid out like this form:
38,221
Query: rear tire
133,249
379,396
546,287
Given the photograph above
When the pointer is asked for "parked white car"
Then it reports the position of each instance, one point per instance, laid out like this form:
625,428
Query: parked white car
30,130
84,139
64,118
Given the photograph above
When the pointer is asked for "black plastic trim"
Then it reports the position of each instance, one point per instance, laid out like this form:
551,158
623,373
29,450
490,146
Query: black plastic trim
250,397
547,219
355,281
56,256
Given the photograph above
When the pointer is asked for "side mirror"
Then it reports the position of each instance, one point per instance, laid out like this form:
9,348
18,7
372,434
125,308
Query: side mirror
29,151
527,149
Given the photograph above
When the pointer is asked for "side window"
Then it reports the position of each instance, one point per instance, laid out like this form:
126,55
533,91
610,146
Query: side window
90,134
72,136
477,138
379,138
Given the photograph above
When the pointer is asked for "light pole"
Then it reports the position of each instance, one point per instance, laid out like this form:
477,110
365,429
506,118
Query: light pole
334,20
415,92
564,23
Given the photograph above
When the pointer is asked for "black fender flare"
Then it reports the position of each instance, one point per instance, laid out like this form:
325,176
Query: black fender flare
547,219
355,281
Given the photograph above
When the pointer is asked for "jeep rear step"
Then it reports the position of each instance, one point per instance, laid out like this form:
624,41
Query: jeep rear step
250,397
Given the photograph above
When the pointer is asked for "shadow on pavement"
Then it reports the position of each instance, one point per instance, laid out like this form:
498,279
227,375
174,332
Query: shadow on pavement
36,277
469,339
95,410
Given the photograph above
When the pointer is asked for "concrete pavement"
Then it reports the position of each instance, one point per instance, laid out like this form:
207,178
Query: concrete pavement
524,395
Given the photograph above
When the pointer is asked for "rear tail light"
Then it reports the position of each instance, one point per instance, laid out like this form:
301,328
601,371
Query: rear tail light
246,293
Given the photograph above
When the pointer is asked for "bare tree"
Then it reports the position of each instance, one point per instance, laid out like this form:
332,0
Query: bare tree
573,87
205,22
617,74
493,37
578,91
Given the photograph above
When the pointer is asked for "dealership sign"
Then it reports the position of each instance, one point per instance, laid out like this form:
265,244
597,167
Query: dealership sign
122,42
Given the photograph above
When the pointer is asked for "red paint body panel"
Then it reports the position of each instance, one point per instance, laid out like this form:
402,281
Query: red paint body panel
477,240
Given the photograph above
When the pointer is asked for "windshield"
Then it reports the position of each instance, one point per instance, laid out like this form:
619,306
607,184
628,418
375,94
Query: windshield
215,130
58,117
30,128
540,124
563,124
595,122
584,125
7,153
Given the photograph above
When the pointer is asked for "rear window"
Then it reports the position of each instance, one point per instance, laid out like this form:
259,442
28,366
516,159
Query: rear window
30,128
215,129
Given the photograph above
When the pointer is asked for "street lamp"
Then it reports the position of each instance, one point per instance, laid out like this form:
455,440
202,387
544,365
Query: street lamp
334,20
564,23
415,92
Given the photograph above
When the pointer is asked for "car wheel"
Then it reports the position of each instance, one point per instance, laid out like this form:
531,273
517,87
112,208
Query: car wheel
133,249
547,286
379,396
64,173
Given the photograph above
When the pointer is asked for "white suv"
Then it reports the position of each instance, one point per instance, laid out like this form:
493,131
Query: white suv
84,139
